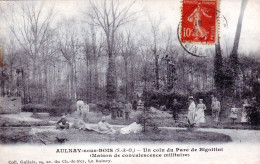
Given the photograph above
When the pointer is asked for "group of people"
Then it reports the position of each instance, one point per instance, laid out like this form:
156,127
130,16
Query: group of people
81,117
196,113
234,111
121,110
103,126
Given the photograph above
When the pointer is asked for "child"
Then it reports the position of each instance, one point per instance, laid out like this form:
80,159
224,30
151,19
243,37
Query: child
233,114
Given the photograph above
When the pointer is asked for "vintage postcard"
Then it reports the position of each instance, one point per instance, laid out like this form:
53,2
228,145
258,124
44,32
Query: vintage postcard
129,81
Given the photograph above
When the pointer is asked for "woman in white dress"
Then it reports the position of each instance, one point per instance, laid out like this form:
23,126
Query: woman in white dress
244,114
191,111
200,116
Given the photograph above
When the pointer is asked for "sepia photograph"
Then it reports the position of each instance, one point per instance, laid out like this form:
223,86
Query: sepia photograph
129,71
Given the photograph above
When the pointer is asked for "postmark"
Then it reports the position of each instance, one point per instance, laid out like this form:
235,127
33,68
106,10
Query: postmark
199,21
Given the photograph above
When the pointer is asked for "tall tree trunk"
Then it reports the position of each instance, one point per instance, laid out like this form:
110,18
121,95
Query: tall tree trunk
90,84
234,56
126,80
46,88
218,69
111,89
96,83
157,78
73,83
11,83
132,81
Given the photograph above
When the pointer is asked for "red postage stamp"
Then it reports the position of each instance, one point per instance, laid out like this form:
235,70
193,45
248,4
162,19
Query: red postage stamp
199,21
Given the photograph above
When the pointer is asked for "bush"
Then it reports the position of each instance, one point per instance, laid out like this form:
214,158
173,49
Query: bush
62,103
146,119
41,108
253,114
104,107
157,99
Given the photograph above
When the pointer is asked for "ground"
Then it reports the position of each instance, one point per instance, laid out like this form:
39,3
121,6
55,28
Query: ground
24,128
49,136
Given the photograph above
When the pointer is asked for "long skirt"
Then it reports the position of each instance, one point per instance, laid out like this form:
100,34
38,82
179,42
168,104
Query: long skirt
191,116
200,116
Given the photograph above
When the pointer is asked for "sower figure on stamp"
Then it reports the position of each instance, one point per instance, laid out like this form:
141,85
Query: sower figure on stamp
195,17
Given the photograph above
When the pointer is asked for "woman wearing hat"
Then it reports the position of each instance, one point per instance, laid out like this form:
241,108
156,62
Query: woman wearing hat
192,111
201,107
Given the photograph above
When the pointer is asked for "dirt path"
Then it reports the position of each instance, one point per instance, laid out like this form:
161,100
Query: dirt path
237,135
241,136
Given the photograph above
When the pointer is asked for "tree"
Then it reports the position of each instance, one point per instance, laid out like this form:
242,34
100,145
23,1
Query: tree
69,47
93,48
31,33
159,48
218,69
108,15
126,48
1,58
234,62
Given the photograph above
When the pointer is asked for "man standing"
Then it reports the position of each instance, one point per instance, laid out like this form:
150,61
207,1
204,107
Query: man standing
215,106
192,111
175,109
128,108
113,109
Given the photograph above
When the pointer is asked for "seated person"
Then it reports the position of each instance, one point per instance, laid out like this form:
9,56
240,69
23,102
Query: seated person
78,124
105,127
163,108
62,123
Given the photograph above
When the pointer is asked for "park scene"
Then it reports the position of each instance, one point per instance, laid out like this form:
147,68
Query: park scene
115,71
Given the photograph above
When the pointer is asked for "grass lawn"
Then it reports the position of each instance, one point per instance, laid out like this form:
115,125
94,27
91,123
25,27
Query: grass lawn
94,118
48,136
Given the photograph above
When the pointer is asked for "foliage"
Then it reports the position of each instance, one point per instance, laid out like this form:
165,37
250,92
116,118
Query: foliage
146,119
218,69
104,107
41,108
156,99
111,80
62,103
253,114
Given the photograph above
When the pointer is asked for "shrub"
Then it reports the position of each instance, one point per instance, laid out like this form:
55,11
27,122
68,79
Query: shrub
156,99
253,114
62,103
146,119
40,108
